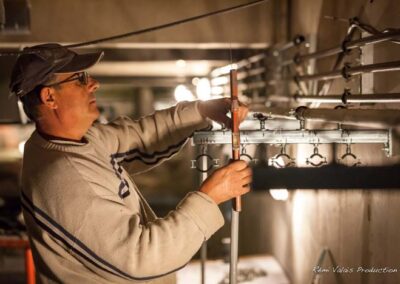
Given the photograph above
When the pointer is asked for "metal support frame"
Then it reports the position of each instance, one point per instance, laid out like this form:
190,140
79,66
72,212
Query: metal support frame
294,137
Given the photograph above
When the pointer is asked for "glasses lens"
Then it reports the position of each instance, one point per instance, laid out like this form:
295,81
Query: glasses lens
83,78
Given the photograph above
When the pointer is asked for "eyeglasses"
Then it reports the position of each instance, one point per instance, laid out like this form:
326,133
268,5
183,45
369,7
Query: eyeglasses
82,77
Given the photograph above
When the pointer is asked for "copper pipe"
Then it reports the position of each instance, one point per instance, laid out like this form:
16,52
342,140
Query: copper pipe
235,127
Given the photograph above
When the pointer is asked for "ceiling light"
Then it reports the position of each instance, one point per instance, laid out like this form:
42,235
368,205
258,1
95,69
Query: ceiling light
182,93
21,147
180,63
203,89
279,194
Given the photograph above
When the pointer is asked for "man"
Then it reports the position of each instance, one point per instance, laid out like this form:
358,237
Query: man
87,221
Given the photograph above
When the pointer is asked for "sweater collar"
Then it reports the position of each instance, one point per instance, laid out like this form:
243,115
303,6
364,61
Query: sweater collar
60,145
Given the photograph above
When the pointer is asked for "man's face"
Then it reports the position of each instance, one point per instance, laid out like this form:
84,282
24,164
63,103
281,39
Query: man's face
76,102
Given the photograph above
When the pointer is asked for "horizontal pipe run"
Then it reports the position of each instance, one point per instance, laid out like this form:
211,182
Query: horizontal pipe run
223,80
347,72
377,118
295,42
339,99
293,137
346,46
237,65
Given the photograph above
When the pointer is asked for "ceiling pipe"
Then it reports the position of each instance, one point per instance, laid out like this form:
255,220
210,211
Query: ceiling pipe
347,71
344,47
297,40
237,65
345,99
377,118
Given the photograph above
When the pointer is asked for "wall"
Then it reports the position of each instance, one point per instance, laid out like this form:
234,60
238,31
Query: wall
360,228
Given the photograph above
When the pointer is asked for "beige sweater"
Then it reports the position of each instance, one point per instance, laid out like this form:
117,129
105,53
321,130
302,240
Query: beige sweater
87,221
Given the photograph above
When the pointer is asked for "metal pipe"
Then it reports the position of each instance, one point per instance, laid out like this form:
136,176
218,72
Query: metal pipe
203,250
234,247
299,39
344,47
222,80
346,72
377,118
238,65
338,99
235,127
236,204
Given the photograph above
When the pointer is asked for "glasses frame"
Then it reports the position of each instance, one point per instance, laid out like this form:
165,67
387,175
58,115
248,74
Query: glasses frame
82,77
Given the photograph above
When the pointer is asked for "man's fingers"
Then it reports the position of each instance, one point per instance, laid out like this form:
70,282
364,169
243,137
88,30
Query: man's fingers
226,120
245,189
247,180
245,172
238,165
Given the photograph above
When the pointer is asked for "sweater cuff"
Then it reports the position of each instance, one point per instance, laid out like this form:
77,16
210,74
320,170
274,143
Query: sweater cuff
189,113
200,208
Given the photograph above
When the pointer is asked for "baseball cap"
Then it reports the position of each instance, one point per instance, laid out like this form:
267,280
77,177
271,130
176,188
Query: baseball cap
36,65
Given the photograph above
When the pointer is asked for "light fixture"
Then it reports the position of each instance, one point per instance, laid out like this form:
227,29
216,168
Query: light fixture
279,194
180,63
218,81
21,147
182,93
203,89
195,80
217,91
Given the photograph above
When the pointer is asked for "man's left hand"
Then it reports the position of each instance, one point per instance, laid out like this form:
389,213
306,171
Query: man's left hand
217,110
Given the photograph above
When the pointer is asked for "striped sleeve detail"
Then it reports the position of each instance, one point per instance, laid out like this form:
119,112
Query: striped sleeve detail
137,155
71,243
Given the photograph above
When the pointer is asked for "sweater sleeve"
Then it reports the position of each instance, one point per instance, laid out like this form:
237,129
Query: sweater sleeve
144,143
111,239
129,249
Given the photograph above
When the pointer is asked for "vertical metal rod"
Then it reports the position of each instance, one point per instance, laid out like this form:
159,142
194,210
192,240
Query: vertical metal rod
234,247
235,127
236,204
203,250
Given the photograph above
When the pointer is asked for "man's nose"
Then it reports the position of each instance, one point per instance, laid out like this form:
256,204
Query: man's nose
93,84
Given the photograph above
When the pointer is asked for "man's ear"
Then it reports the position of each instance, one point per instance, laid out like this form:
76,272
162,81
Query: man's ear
47,97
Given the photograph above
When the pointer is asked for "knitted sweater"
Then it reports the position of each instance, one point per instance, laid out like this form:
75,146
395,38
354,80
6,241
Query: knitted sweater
86,219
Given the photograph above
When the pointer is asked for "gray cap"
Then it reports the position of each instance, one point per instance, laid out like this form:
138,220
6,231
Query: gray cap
38,63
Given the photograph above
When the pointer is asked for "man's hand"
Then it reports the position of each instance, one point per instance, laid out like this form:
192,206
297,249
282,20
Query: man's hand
228,182
217,109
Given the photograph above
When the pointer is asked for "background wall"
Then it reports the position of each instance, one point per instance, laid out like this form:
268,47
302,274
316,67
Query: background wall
359,228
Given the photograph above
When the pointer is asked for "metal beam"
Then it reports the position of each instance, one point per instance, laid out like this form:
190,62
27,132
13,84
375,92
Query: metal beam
327,177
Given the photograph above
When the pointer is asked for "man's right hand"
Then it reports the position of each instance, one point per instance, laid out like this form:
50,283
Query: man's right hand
228,182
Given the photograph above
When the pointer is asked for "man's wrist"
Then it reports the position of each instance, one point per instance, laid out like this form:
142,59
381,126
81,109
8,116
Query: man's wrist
201,107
